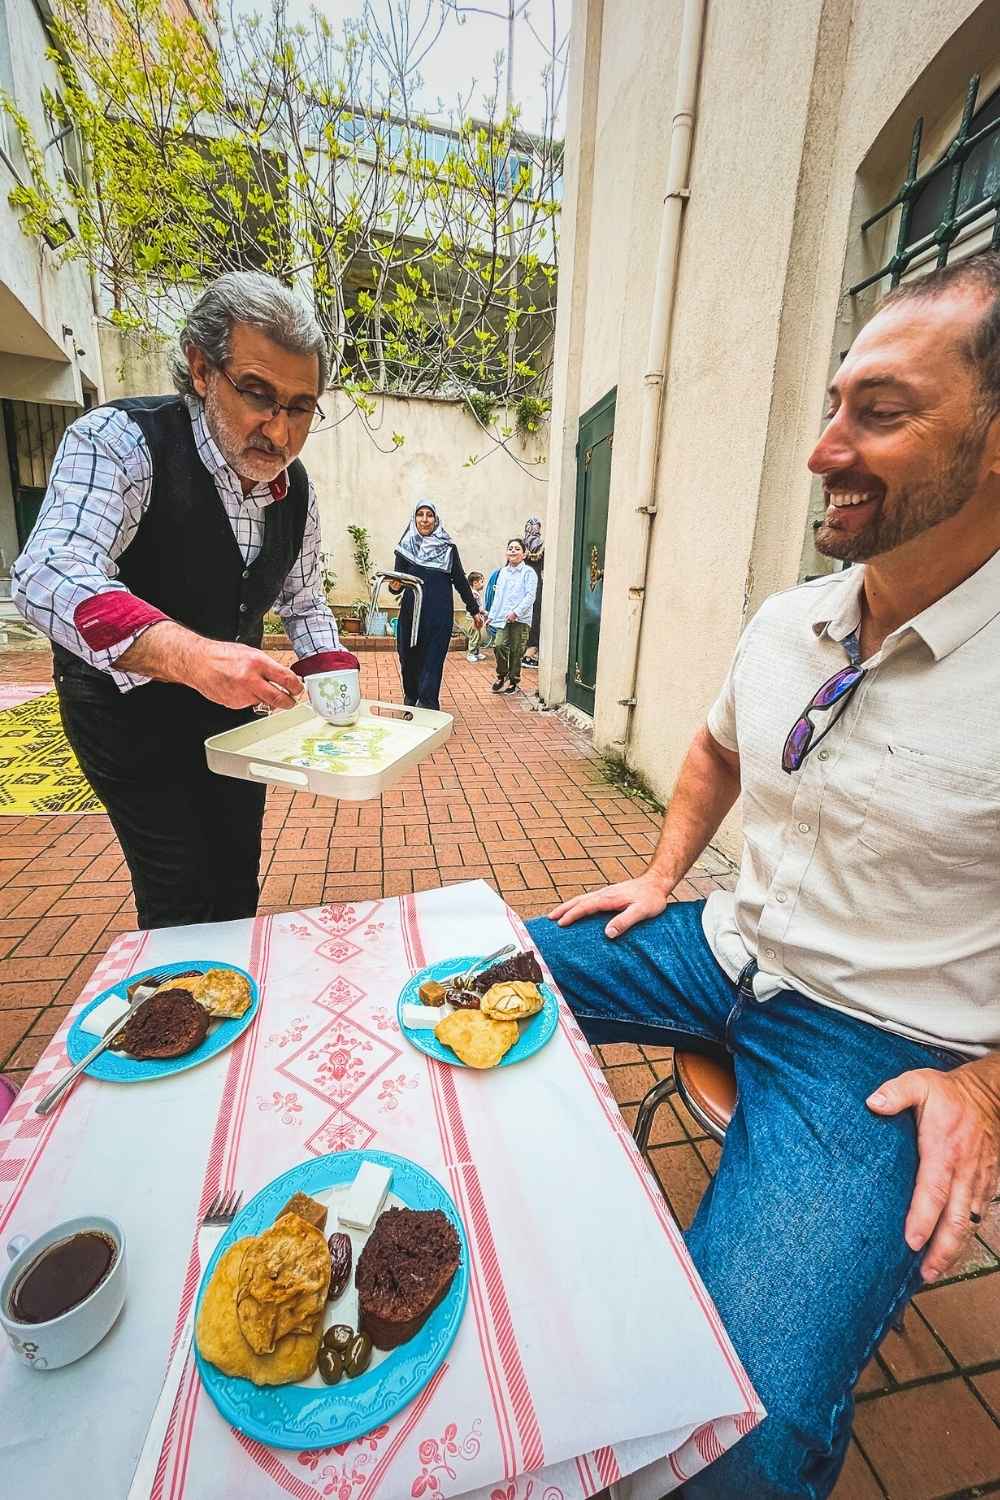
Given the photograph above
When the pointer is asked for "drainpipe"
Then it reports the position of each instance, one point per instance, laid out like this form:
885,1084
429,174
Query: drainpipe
658,354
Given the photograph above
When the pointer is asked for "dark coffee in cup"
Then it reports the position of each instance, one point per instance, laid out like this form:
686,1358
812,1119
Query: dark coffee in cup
62,1276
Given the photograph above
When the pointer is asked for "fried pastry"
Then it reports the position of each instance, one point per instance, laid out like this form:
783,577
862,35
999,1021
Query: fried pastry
478,1041
221,1341
283,1282
222,993
512,1001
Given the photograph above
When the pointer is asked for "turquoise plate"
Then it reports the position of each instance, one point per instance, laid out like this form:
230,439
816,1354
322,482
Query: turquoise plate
534,1032
310,1416
115,1067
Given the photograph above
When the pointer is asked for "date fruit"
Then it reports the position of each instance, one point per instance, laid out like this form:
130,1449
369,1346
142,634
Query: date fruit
463,999
341,1256
340,1337
359,1355
330,1365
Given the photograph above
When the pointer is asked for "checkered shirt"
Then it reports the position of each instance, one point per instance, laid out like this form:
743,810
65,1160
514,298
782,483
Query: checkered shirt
100,487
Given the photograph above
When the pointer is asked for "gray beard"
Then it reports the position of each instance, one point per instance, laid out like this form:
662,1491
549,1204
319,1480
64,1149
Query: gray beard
915,510
248,463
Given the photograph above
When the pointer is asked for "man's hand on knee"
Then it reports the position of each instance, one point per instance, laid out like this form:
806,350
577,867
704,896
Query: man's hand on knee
958,1141
633,901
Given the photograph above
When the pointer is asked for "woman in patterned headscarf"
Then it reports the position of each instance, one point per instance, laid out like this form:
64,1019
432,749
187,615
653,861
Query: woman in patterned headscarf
534,556
427,551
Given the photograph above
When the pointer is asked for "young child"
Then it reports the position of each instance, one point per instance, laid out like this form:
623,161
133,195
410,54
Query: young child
473,634
510,616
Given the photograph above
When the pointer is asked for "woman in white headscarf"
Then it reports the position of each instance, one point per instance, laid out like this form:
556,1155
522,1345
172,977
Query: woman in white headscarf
426,550
534,556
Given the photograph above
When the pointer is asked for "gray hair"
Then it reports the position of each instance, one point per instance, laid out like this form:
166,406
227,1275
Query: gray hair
248,297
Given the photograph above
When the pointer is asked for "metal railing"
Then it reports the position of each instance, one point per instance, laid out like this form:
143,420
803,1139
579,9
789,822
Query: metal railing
952,223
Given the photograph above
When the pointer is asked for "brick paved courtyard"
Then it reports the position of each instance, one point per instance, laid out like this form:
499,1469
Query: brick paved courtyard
518,799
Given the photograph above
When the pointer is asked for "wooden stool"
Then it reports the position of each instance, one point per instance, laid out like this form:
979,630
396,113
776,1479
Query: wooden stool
706,1085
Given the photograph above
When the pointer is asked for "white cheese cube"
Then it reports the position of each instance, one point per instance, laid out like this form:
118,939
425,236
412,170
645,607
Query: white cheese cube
421,1017
104,1015
365,1197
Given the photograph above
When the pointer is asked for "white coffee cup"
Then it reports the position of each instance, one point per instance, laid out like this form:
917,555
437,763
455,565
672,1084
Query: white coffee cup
60,1341
336,696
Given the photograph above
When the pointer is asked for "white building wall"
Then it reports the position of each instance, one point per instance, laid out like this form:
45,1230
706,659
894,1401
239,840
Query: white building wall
803,120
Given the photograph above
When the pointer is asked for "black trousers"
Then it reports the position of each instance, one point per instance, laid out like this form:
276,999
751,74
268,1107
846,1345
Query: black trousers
191,838
422,666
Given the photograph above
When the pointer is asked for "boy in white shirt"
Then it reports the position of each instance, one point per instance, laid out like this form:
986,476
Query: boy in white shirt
510,616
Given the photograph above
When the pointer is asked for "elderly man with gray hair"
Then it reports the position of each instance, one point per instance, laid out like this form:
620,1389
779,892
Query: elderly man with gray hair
171,525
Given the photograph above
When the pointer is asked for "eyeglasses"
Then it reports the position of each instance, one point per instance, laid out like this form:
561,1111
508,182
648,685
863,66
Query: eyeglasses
268,406
836,690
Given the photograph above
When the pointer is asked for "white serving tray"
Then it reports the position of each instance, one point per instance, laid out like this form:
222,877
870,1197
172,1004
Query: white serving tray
297,748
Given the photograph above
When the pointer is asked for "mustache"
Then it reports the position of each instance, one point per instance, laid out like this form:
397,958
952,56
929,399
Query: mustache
262,445
852,480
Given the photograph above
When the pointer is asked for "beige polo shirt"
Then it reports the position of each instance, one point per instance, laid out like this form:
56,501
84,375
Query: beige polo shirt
870,879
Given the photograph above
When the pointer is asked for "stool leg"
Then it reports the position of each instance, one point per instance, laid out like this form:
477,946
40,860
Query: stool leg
647,1109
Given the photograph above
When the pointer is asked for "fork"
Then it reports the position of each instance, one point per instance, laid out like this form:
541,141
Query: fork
220,1214
481,963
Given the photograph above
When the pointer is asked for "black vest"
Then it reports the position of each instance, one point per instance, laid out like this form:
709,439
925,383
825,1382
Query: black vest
184,557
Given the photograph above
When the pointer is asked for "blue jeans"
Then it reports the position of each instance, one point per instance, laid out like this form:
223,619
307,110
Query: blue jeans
799,1237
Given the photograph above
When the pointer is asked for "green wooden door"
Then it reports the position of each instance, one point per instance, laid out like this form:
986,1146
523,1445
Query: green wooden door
593,483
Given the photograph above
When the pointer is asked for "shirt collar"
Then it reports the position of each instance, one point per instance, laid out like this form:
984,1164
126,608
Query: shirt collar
210,455
945,625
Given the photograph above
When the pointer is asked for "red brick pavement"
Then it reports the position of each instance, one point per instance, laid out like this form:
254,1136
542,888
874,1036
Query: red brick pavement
518,799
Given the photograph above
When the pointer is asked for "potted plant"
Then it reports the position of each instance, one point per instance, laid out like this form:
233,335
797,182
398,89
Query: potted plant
369,620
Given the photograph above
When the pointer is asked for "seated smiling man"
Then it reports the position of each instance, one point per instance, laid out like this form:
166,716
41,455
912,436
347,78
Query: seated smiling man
854,977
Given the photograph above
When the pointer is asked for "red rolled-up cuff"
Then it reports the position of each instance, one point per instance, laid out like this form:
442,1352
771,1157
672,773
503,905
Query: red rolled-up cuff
106,619
326,661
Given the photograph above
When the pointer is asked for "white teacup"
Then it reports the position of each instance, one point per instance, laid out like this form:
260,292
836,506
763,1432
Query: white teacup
336,696
60,1341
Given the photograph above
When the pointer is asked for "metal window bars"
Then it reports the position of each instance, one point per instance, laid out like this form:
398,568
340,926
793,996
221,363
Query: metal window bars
952,223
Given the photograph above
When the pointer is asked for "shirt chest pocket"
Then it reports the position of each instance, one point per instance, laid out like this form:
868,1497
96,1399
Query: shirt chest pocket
931,813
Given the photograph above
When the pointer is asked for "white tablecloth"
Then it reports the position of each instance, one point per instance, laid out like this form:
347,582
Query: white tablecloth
589,1348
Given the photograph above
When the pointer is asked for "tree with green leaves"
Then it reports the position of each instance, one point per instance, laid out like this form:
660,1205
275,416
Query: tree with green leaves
429,252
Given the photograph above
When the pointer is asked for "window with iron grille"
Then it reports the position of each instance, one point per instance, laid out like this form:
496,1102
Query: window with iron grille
952,206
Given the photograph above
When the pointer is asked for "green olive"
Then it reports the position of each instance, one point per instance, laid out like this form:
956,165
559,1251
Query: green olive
359,1355
331,1366
339,1337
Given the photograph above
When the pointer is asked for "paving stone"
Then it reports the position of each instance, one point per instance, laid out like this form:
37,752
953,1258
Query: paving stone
872,1378
966,1317
629,1083
988,1387
683,1177
929,1441
913,1353
856,1480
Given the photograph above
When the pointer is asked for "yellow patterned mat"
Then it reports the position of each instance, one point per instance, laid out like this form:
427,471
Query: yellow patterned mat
38,771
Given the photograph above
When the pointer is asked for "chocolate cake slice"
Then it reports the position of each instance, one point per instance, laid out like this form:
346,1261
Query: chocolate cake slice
522,966
403,1272
168,1024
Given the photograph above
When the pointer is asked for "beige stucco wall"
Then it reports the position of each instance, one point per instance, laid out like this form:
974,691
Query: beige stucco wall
40,292
362,481
795,102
